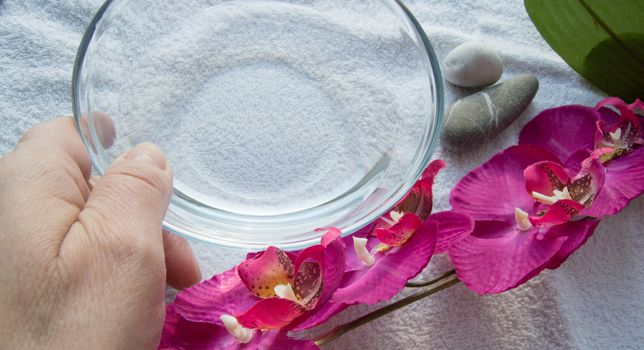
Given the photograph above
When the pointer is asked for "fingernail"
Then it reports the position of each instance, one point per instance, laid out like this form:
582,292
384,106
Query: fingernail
147,153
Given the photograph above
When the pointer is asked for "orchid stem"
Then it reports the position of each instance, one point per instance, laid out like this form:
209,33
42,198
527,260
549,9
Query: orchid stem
430,282
447,280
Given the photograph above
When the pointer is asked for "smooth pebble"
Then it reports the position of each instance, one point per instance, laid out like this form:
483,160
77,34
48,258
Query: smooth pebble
478,118
472,65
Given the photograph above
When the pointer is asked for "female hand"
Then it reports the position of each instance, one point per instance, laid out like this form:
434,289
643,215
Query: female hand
83,267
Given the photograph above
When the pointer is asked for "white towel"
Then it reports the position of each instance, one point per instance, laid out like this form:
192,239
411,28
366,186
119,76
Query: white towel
594,301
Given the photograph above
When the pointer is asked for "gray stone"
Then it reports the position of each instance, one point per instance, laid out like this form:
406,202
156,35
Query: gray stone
478,118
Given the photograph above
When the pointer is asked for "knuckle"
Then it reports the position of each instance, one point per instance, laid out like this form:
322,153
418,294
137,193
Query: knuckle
136,177
117,241
60,178
31,133
38,161
123,248
67,123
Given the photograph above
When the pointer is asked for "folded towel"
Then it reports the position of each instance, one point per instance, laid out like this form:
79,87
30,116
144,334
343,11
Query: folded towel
594,301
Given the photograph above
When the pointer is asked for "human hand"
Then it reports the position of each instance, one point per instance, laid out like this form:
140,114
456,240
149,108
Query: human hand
83,267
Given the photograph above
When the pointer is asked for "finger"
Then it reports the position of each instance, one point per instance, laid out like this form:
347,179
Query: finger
124,212
182,270
60,136
43,186
104,127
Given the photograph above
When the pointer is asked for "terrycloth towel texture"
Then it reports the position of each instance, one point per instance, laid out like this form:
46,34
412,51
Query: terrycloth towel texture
595,301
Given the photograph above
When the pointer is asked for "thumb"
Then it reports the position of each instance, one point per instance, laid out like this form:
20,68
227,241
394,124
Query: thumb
128,203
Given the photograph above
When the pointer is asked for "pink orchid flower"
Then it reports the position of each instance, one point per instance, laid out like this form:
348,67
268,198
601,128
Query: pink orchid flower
611,131
622,136
394,249
181,334
398,245
525,206
563,196
257,301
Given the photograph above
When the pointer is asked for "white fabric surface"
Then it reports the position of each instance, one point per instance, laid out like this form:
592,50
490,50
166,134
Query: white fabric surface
595,301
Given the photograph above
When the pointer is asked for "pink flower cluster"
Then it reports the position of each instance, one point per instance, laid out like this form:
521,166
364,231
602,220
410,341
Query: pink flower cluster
255,304
526,209
530,211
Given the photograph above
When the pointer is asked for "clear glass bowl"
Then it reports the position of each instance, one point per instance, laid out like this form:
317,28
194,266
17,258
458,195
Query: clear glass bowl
277,117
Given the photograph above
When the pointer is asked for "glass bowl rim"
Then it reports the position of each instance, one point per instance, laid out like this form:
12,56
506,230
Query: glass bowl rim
436,82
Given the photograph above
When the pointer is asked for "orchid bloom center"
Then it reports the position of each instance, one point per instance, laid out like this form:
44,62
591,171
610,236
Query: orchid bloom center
360,246
616,136
395,217
550,200
285,291
242,334
522,218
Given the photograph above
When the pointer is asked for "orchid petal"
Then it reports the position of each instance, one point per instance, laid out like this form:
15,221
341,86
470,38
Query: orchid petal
391,270
368,230
452,227
317,317
616,103
626,131
308,275
604,154
179,333
333,267
266,270
637,107
493,190
558,213
331,257
608,118
223,294
599,139
360,247
624,181
396,216
308,283
562,130
577,232
285,291
331,234
587,183
292,255
545,177
432,170
384,221
415,201
399,233
279,340
599,153
419,199
497,256
352,260
241,334
523,219
574,163
272,313
312,253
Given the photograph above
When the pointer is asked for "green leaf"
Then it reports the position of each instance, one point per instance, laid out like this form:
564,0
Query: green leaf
603,40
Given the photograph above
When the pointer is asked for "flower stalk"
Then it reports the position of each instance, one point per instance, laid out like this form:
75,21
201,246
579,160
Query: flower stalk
436,285
420,284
